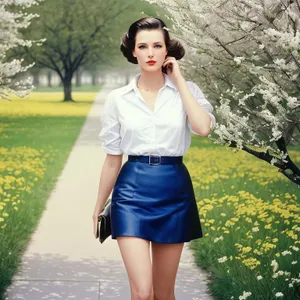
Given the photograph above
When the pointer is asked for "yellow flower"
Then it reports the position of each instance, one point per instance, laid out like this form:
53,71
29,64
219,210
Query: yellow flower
251,262
246,249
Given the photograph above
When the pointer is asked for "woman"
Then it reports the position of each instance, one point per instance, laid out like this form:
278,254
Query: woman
150,120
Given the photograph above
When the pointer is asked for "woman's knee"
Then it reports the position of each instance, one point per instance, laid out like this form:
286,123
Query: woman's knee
142,292
136,257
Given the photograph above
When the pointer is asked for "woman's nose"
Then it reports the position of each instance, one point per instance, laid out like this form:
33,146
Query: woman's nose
150,53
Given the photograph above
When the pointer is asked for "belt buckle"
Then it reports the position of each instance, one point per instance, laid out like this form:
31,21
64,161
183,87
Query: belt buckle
155,164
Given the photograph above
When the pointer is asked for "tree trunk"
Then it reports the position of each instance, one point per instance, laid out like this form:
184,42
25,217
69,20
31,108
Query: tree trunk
94,78
68,88
78,77
36,77
49,76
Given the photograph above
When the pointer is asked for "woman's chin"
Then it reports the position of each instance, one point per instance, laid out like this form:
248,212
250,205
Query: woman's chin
152,68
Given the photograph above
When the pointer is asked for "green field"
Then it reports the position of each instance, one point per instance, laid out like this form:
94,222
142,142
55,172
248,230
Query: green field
37,134
249,211
250,218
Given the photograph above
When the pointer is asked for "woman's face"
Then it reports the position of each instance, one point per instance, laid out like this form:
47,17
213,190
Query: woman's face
150,45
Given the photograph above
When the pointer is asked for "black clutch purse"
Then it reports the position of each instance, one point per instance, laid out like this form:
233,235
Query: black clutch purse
104,226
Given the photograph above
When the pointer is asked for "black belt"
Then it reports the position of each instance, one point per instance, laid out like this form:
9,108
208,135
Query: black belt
156,159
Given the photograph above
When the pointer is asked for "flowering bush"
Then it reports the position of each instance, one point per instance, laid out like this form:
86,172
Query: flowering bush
10,24
246,54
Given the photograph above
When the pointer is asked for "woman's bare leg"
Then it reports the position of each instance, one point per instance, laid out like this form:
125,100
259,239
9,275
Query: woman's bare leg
136,257
165,262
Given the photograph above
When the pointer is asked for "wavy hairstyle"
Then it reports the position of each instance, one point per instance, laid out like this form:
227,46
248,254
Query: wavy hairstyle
174,47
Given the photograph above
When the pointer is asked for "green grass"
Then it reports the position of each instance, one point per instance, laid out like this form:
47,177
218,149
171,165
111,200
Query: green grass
49,140
226,183
35,148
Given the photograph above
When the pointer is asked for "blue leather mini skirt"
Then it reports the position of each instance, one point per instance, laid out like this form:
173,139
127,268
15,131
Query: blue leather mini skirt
155,202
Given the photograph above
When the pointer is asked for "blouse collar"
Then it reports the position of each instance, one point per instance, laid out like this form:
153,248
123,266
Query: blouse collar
133,83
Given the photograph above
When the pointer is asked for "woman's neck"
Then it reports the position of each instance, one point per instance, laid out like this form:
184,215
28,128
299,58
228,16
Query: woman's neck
151,80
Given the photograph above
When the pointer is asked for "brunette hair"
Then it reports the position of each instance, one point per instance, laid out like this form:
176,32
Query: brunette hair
174,47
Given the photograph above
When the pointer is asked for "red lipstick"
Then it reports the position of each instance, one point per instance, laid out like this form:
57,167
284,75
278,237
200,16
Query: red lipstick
151,62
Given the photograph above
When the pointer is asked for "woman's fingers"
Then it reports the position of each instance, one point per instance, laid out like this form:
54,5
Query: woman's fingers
95,228
168,61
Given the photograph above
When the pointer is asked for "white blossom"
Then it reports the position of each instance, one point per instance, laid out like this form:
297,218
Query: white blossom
222,259
237,44
245,295
239,60
274,264
218,239
10,24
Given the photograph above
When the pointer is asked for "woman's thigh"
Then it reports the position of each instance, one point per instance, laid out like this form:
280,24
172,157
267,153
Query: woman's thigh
135,253
165,262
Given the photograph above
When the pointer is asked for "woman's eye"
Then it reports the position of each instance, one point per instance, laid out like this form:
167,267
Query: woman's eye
140,47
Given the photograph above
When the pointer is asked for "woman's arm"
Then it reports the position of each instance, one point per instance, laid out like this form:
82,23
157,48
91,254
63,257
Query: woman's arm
109,174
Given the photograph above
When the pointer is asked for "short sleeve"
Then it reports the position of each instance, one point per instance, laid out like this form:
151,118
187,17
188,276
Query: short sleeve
203,102
110,132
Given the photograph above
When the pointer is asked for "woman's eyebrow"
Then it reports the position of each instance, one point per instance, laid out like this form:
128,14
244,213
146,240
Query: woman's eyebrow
153,43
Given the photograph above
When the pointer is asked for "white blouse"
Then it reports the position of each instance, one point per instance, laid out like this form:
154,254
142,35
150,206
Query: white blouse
130,126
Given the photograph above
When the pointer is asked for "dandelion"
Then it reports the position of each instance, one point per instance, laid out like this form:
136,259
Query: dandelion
251,262
246,249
